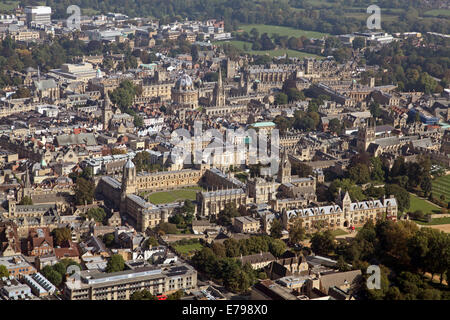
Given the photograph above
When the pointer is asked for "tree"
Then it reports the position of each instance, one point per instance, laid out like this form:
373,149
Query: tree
143,295
219,249
342,265
296,232
375,110
115,263
26,201
123,96
138,121
168,228
224,217
322,243
176,295
376,169
108,239
188,207
402,196
98,214
281,98
276,229
359,173
277,247
84,191
359,43
62,236
3,271
335,126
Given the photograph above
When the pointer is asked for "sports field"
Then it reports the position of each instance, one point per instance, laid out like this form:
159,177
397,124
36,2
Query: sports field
174,195
281,31
441,186
419,204
247,47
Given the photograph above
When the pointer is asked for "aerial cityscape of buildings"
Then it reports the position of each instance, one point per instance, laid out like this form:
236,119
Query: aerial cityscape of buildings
104,198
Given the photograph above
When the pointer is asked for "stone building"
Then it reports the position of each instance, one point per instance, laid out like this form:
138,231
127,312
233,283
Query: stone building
344,213
184,94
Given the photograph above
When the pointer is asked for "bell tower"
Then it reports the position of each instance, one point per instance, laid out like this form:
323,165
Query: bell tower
366,136
128,183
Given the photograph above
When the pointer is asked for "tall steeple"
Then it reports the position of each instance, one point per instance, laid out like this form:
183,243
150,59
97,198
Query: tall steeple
284,171
219,92
106,112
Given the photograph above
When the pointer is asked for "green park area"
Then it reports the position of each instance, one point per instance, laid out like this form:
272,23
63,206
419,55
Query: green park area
174,195
187,248
441,186
435,221
281,31
417,203
438,13
339,232
247,47
8,6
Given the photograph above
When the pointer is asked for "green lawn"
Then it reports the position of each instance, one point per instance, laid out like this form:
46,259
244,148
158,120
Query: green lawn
435,221
339,232
420,204
7,6
281,31
441,186
187,248
272,53
438,12
174,195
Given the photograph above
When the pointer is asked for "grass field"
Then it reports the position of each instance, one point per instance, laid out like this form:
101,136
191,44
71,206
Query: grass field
435,221
281,31
438,12
7,6
187,248
339,232
272,53
173,196
441,186
419,204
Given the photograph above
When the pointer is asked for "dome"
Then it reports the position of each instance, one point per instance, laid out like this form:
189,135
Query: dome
184,83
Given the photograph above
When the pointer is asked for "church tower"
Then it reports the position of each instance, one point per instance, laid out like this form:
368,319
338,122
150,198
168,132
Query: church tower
128,183
219,92
107,112
366,136
27,184
284,171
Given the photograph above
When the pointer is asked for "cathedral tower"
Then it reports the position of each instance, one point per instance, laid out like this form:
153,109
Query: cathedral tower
366,136
219,92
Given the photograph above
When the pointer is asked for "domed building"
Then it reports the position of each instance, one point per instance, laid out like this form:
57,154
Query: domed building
184,93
